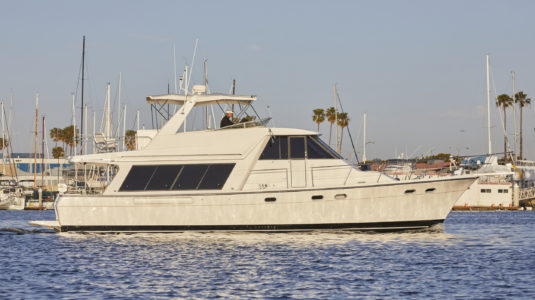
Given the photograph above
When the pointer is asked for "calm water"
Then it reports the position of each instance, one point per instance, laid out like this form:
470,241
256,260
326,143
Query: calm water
473,255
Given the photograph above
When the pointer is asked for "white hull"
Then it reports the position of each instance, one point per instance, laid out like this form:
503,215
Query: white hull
371,207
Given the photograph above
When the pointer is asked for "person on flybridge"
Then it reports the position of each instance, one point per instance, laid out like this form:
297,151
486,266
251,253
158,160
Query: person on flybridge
227,119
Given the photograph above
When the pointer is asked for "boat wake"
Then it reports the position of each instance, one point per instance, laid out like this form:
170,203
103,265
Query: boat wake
19,231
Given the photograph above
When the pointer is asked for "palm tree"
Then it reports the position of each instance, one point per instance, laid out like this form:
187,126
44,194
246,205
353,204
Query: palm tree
55,134
318,117
62,137
3,143
58,152
343,121
130,139
70,137
331,117
504,101
523,100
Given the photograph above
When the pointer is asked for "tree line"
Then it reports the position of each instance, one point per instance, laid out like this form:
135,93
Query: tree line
68,137
504,101
332,116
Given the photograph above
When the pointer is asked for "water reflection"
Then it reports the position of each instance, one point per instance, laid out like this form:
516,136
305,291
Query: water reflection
477,256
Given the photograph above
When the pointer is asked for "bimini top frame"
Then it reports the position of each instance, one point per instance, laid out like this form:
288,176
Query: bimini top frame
188,102
201,99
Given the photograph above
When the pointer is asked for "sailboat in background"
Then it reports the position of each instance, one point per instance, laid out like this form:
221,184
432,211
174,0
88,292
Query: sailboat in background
104,141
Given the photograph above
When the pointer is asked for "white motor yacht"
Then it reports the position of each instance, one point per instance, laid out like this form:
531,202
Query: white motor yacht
246,177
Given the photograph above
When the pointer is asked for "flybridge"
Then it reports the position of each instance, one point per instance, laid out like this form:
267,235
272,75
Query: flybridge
188,102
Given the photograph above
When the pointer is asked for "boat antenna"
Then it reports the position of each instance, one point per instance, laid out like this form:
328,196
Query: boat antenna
233,91
174,69
192,63
348,131
270,117
206,74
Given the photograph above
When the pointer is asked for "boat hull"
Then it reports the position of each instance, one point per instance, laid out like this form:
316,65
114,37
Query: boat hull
380,207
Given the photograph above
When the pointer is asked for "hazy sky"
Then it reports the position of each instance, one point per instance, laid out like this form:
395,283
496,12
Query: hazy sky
416,67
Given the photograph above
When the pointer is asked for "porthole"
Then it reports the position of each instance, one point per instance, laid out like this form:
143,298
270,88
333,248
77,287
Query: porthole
340,196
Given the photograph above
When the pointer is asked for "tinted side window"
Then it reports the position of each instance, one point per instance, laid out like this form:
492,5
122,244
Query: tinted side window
190,177
297,147
216,176
163,178
326,147
137,178
284,147
272,149
315,150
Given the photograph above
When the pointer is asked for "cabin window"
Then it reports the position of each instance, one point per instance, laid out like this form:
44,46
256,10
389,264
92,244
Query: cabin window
297,147
272,150
276,148
300,147
315,150
177,177
216,176
284,147
137,178
163,178
190,177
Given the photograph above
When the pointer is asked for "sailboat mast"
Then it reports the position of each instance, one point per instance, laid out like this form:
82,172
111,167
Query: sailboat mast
73,124
137,120
488,106
336,117
364,141
107,125
85,128
94,130
35,140
124,129
43,152
82,107
3,143
119,106
514,113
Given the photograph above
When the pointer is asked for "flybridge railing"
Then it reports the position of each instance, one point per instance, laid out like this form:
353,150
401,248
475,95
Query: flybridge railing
249,124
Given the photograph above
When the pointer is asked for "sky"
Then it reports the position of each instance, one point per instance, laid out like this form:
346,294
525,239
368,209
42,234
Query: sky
417,68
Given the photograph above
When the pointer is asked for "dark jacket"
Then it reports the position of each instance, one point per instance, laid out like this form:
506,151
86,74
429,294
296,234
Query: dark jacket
225,122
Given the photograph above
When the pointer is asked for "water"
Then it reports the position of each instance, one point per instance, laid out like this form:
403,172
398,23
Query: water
473,255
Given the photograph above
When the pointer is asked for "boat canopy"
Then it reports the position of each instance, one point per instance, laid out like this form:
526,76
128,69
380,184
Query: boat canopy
201,99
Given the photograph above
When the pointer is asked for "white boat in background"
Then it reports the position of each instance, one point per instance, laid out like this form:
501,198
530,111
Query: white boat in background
11,198
246,177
